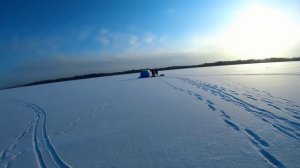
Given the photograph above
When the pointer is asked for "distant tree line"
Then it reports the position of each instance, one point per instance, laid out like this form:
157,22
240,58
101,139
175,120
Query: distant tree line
219,63
235,62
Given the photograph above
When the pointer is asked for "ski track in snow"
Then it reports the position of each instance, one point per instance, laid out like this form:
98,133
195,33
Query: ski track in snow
45,153
291,129
42,146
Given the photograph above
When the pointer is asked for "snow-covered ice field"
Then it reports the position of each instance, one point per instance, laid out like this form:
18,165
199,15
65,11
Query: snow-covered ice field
227,116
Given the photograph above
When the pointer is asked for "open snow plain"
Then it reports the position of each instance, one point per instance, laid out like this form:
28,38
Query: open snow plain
228,116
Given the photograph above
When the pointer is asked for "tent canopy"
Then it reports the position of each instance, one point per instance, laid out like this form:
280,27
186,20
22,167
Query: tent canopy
145,74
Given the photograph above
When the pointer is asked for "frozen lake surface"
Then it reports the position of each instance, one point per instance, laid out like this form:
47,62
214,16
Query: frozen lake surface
226,116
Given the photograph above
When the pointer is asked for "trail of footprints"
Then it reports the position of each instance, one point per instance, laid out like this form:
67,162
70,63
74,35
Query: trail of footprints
257,141
11,153
290,126
77,121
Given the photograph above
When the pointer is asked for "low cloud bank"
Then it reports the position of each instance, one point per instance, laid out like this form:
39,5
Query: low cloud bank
58,67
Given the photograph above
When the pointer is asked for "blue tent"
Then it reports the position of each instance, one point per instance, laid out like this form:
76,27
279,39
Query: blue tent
145,74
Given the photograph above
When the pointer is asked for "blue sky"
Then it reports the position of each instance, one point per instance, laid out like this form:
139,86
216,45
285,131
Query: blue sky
49,39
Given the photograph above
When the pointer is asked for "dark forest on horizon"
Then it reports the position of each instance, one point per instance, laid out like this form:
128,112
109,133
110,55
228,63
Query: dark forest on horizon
219,63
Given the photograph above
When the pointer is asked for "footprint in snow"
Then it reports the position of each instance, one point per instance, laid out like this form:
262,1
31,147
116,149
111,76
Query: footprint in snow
231,124
256,138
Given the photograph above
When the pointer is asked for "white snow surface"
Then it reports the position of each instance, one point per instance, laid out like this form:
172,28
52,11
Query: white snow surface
227,116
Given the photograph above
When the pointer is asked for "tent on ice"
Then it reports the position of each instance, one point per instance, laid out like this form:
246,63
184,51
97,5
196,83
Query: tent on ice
145,74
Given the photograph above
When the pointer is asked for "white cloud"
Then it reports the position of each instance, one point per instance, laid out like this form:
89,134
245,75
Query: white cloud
104,37
133,41
149,38
119,42
163,39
